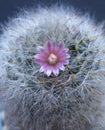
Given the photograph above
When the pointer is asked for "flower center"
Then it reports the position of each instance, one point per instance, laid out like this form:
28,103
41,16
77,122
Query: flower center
52,59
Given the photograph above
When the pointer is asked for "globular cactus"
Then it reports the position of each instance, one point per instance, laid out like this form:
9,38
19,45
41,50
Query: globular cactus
72,99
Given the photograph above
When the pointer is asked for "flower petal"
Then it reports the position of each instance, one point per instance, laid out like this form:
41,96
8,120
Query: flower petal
62,68
66,62
39,59
54,44
68,56
49,45
53,47
37,56
40,48
48,72
61,45
42,69
56,72
66,50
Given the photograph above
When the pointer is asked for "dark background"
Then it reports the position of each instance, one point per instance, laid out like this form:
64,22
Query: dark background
8,8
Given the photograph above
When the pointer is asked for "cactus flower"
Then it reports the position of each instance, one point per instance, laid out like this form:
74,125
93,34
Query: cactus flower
52,58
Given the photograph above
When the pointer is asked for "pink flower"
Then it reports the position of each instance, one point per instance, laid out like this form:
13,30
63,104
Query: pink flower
52,58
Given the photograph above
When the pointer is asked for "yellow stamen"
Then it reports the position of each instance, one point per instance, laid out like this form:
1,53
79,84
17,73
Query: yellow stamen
52,59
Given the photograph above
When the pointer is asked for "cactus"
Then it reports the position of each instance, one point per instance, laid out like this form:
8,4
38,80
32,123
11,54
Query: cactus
70,100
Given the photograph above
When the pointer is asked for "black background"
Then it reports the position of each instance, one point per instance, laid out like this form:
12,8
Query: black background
8,8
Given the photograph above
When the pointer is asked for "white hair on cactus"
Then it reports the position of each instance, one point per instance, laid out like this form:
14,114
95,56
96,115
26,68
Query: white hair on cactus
72,100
